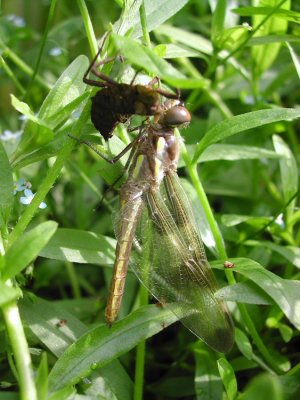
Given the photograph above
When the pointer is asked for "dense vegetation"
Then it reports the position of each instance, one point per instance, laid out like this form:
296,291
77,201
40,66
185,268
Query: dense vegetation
238,71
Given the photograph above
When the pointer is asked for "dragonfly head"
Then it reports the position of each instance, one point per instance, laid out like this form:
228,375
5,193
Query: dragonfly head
175,115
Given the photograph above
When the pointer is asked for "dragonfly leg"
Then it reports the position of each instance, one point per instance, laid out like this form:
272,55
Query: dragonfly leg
118,156
163,92
94,65
95,58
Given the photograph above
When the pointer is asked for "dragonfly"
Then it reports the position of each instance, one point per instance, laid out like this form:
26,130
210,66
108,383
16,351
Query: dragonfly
155,216
117,102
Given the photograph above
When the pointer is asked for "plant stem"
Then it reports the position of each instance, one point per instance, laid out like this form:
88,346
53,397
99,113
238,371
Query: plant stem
21,64
88,27
48,182
139,370
20,349
140,355
73,280
207,90
10,312
12,76
143,19
44,40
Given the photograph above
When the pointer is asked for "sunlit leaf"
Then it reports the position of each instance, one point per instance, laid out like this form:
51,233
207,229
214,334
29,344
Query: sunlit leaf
102,344
284,292
80,246
145,58
6,186
228,378
288,170
29,245
243,122
208,384
243,343
263,386
265,55
291,253
157,12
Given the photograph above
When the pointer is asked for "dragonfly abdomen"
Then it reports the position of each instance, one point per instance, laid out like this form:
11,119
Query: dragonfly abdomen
125,234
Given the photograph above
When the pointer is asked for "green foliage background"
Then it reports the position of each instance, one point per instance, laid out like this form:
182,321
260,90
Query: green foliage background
237,67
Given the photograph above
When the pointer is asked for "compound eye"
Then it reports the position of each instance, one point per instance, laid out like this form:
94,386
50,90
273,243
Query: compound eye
177,116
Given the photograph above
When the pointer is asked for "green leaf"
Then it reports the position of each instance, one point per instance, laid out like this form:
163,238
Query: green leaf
172,50
118,381
288,170
148,60
244,292
286,332
103,344
284,292
6,187
48,150
9,395
263,386
208,384
243,122
228,378
43,318
295,58
243,343
66,90
232,38
80,247
8,294
264,56
42,378
291,253
273,39
63,113
66,393
157,12
27,248
62,99
291,383
218,20
234,220
189,39
287,15
43,132
233,152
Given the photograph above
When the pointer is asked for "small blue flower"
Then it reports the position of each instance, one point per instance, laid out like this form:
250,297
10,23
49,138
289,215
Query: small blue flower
27,199
8,135
280,221
20,185
77,112
16,20
56,51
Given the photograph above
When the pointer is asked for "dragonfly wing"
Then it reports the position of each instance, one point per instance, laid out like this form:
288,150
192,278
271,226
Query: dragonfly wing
174,267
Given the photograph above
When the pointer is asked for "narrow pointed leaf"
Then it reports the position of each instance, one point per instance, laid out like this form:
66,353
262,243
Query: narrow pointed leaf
284,292
27,248
103,344
243,122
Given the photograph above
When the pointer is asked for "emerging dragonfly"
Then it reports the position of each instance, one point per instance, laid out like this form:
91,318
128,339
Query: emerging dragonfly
155,213
116,102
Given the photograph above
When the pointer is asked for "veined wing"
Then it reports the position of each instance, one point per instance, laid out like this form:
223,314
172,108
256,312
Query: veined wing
177,271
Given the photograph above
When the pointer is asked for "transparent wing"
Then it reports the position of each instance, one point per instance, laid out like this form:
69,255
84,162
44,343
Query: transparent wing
174,268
